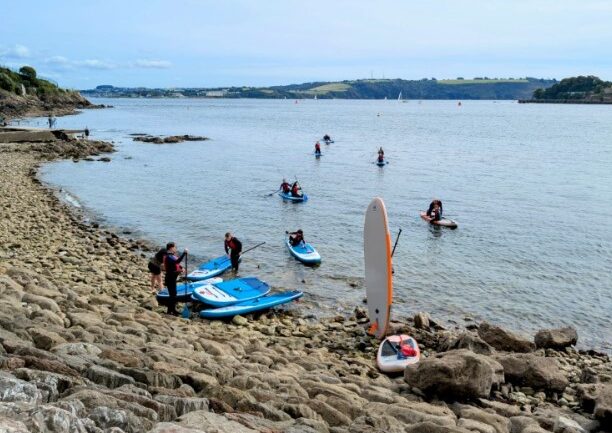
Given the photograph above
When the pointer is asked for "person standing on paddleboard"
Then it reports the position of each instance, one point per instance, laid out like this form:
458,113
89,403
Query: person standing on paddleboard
317,148
233,248
173,270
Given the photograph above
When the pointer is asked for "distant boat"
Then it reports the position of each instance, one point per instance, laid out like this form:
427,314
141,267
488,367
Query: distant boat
315,97
399,97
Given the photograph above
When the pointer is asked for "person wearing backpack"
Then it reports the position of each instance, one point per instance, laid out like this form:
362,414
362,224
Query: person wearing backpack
155,268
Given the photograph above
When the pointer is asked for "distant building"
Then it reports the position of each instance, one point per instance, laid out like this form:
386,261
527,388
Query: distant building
216,93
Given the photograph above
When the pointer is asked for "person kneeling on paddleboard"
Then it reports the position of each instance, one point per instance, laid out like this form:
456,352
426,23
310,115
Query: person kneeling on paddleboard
233,248
296,189
296,238
326,137
285,187
173,270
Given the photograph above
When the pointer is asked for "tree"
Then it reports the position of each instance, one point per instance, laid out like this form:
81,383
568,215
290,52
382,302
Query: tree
28,72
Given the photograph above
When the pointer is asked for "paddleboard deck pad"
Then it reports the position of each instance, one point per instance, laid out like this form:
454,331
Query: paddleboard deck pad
211,269
183,291
230,292
304,252
261,303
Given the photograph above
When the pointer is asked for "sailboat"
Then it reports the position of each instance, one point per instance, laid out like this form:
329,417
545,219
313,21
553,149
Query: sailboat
399,97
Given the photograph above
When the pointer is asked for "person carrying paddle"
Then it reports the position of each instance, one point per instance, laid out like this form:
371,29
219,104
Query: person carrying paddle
296,189
317,148
233,248
285,187
296,238
173,270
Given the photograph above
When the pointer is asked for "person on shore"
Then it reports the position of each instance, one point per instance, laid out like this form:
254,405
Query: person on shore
86,132
285,187
51,121
233,248
155,268
296,189
172,265
317,148
296,238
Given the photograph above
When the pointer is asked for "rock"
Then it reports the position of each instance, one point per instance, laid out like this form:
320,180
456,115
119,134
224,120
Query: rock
183,405
82,349
503,409
208,421
170,427
421,320
106,418
45,339
428,427
504,340
499,423
475,426
533,371
567,425
520,424
8,425
239,320
457,374
597,399
467,340
557,339
17,390
107,377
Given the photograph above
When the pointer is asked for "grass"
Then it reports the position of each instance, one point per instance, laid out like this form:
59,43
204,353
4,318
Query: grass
326,88
453,82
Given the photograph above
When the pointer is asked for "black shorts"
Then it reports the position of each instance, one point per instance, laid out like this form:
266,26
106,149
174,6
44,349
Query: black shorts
154,269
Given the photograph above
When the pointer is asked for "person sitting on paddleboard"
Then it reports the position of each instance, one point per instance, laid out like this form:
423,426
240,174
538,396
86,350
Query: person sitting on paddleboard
296,190
317,147
173,269
326,137
233,248
285,187
432,205
296,238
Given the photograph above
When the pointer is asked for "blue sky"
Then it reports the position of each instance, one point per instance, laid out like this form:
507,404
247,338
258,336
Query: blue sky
181,43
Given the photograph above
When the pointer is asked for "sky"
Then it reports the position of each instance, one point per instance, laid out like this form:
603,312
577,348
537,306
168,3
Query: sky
199,43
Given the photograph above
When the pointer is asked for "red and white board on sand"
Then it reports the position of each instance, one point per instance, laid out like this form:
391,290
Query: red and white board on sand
378,267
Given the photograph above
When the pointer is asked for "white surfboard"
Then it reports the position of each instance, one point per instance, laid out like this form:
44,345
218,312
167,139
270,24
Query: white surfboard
378,274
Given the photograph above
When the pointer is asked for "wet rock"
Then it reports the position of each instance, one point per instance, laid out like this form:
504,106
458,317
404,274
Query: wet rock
421,320
458,374
557,339
533,371
504,340
107,418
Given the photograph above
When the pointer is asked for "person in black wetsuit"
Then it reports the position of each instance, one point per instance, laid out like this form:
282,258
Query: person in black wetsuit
173,270
432,206
296,238
233,248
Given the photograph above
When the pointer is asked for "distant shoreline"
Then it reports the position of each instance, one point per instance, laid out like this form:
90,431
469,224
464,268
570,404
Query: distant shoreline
563,101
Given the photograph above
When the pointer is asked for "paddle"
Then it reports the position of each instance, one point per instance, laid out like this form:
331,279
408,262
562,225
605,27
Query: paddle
252,248
394,246
186,313
272,193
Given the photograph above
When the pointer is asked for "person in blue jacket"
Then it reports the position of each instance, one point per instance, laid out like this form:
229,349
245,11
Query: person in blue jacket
172,265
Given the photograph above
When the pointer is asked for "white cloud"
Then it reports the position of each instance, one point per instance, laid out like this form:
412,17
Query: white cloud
58,60
95,64
152,64
17,51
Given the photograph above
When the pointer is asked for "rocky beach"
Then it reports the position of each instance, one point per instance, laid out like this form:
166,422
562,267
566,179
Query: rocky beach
85,348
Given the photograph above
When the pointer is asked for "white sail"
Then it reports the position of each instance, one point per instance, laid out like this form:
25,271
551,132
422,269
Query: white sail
399,97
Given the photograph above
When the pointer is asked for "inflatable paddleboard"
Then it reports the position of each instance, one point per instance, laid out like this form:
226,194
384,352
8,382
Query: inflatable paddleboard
381,163
304,252
378,273
318,155
444,222
258,304
230,292
183,291
288,196
396,352
211,269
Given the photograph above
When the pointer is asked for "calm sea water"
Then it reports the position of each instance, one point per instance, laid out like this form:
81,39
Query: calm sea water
530,186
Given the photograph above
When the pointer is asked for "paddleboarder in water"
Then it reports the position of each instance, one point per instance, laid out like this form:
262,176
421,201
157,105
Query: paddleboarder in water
173,270
285,187
435,210
296,189
233,248
317,148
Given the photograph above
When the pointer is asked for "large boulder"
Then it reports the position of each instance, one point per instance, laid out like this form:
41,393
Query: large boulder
556,338
467,340
457,374
18,391
504,340
527,369
597,399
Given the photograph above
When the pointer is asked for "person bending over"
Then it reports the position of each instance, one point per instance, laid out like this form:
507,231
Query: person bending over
296,238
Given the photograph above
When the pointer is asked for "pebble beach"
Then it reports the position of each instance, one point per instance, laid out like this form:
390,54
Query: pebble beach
84,347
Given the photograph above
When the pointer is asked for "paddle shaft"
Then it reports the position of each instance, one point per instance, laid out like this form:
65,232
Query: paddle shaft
396,241
272,193
252,248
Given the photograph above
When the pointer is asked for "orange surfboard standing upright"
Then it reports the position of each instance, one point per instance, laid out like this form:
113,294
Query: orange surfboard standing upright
378,267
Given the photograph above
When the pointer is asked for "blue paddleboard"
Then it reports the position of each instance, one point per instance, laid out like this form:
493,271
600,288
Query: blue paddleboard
183,291
288,196
381,163
258,304
230,292
211,269
304,252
